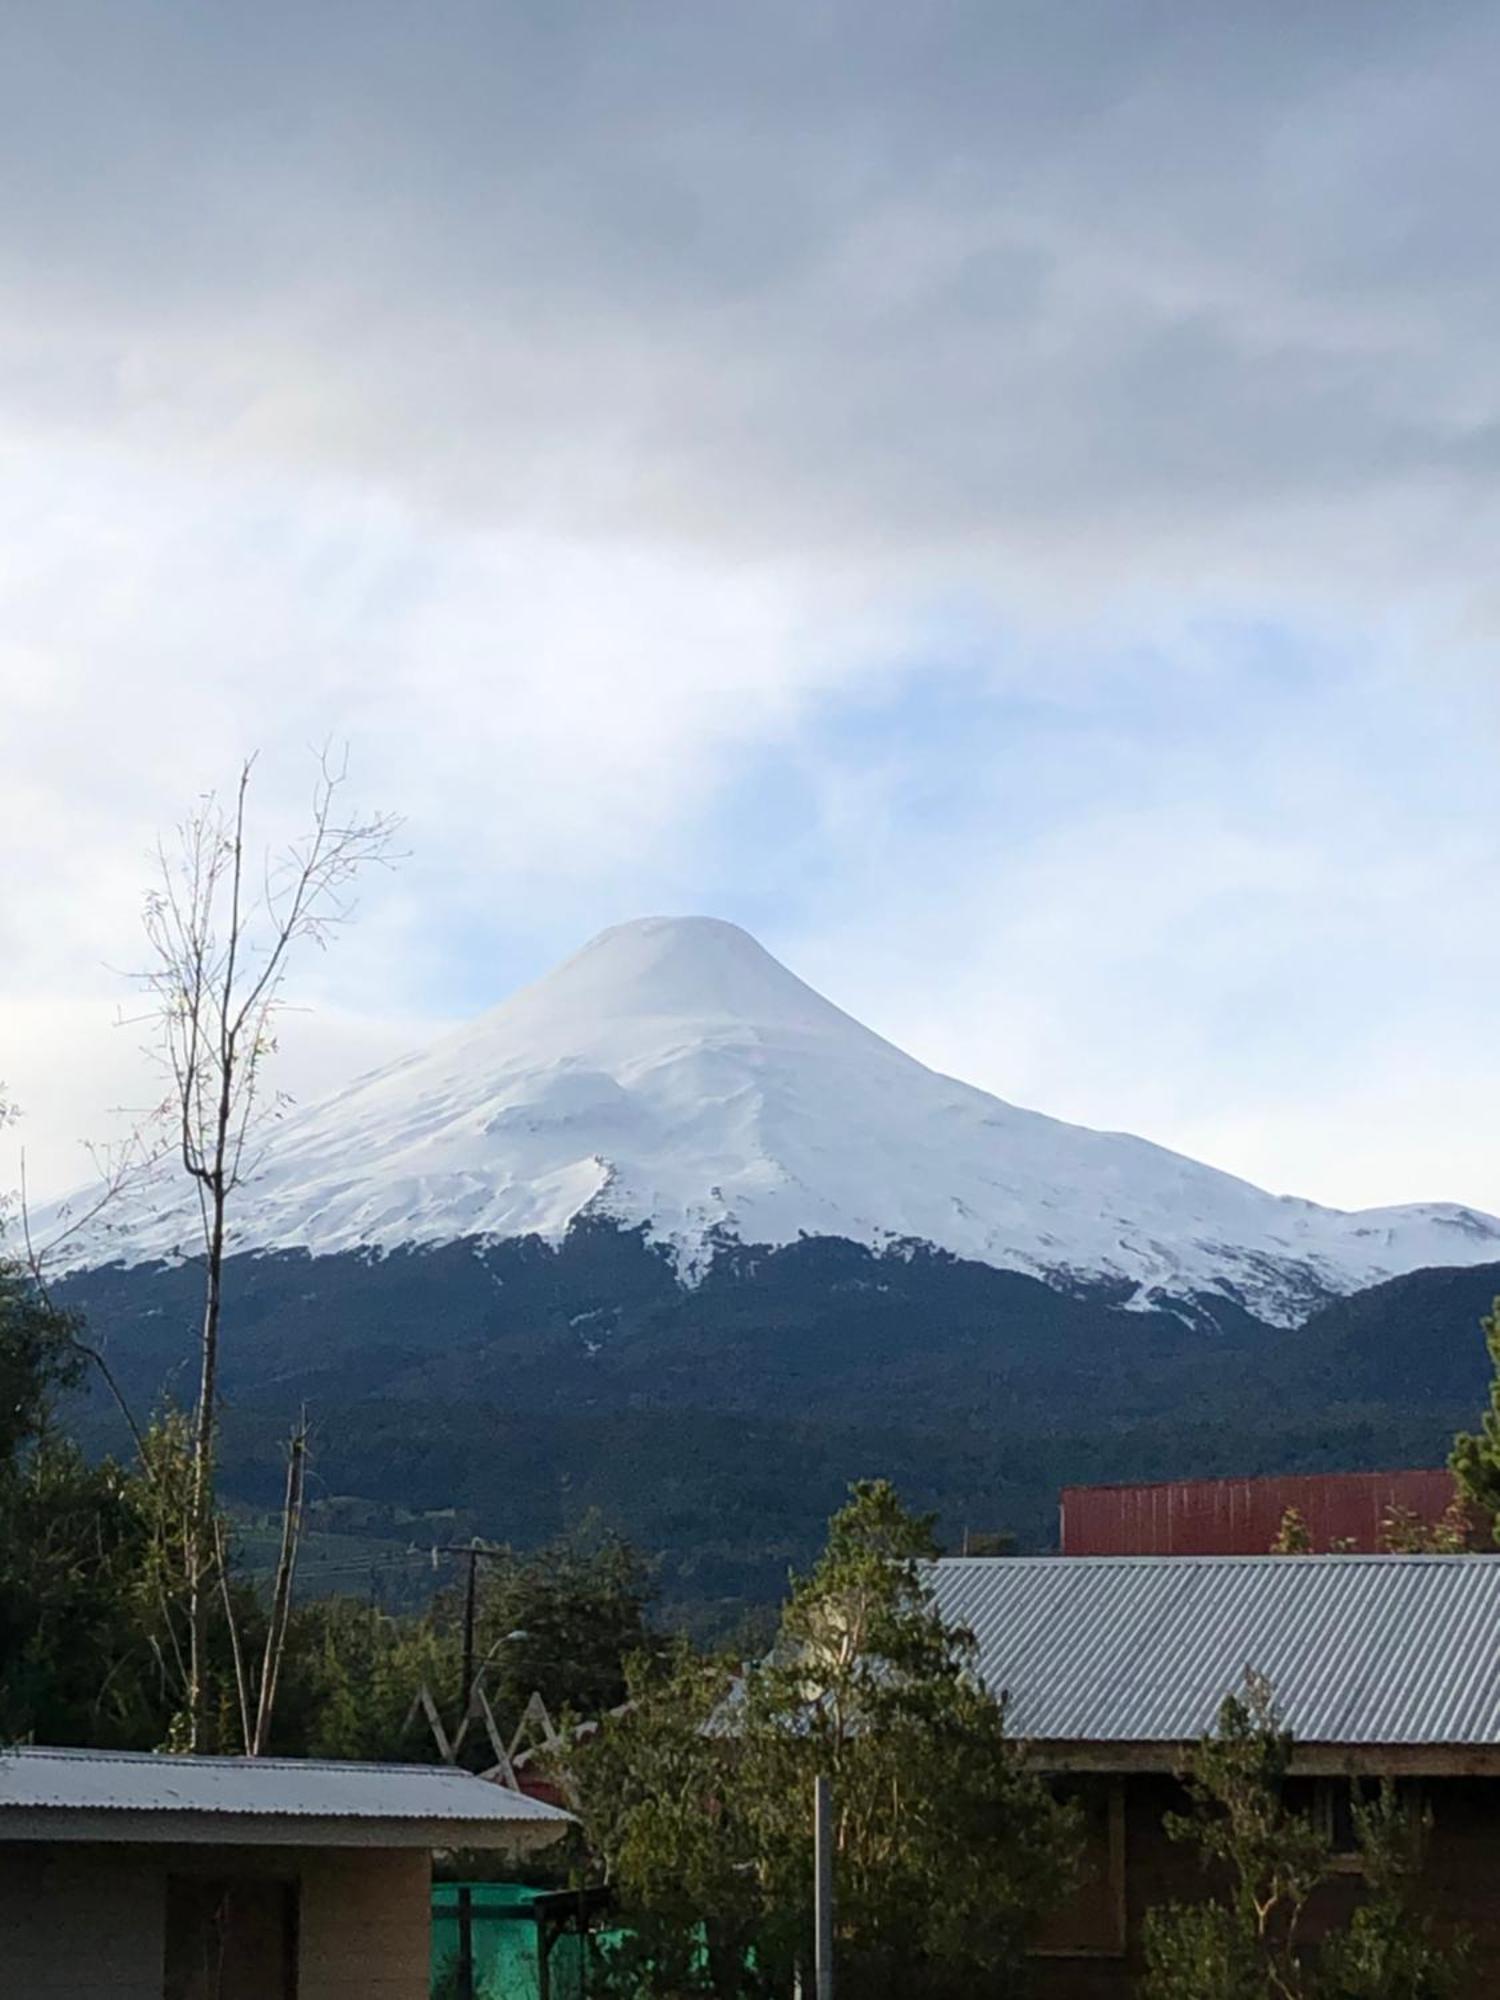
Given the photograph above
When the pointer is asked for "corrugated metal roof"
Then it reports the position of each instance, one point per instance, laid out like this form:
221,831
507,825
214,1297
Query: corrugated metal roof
1142,1649
260,1787
1241,1517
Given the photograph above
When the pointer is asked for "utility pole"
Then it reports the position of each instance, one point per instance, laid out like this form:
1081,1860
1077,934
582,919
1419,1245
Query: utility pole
473,1552
823,1888
472,1704
466,1695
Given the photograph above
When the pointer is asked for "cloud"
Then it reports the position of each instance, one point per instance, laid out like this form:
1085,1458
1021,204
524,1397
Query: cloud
887,474
1090,292
1245,908
549,721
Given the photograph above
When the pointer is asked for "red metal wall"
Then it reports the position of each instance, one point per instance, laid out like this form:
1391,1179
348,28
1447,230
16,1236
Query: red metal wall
1234,1517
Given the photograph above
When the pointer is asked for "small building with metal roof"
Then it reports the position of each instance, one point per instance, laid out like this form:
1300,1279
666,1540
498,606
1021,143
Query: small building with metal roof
1114,1666
227,1878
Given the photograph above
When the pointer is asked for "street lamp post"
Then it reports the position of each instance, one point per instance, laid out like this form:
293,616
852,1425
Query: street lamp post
823,1888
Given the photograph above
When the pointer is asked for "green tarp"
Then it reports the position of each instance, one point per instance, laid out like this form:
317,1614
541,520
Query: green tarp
506,1943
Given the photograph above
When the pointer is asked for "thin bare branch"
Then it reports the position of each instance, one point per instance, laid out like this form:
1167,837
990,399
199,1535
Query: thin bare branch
221,956
281,1596
242,1686
36,1269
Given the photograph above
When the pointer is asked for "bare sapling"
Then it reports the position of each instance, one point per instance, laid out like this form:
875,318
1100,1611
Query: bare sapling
222,926
281,1594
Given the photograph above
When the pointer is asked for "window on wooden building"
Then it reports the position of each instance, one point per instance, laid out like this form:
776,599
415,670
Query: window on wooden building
1330,1804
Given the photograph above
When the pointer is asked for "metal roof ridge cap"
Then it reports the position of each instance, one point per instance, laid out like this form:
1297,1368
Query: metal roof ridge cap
227,1761
1423,1558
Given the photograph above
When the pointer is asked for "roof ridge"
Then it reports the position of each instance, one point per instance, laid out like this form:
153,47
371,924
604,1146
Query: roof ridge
1344,1556
189,1760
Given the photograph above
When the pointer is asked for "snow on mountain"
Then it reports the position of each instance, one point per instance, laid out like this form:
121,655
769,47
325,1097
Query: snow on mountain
672,1073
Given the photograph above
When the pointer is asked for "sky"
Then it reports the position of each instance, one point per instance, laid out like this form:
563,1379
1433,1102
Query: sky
1000,499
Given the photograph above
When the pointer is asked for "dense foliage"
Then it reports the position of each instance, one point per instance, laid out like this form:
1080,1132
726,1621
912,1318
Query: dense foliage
697,1786
698,1797
77,1663
93,1605
1253,1939
560,1621
77,1632
38,1359
1476,1455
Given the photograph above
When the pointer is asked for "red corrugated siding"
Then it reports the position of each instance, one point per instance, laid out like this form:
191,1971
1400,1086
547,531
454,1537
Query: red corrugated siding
1233,1517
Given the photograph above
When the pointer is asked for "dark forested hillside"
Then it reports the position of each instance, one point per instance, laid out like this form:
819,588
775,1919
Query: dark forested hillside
509,1389
1413,1337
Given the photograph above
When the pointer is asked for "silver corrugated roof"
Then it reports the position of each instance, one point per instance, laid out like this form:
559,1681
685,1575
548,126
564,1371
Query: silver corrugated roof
33,1780
1142,1649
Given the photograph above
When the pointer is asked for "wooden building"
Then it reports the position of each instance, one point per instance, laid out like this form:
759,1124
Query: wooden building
1352,1511
126,1877
1116,1665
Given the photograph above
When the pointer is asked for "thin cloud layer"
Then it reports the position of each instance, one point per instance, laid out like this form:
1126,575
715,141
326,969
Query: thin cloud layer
1098,289
622,423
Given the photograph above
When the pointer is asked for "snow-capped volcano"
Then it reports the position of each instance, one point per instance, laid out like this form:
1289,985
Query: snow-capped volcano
673,1073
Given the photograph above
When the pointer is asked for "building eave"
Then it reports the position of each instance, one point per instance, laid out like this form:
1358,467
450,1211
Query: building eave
1394,1760
122,1825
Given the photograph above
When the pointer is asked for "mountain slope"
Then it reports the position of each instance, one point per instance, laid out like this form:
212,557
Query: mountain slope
507,1389
673,1075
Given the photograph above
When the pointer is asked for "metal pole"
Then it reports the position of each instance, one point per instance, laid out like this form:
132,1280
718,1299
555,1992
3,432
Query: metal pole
466,1943
823,1887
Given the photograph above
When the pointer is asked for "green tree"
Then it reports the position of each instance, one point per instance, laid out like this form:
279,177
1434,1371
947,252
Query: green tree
351,1675
1405,1533
38,1360
1475,1458
1267,1862
76,1660
560,1621
1202,1951
1270,1859
698,1798
1292,1537
92,1557
670,1806
77,1663
1391,1949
